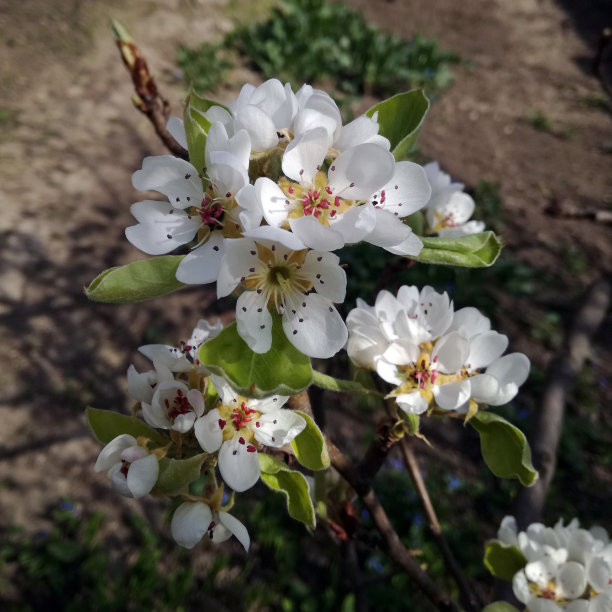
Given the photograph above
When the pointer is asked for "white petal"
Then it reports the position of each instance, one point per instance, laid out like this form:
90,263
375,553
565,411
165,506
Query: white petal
142,475
412,403
389,230
279,427
571,580
190,522
469,321
450,352
226,173
177,129
274,202
520,587
578,605
304,155
484,388
406,192
601,603
238,464
507,531
543,605
202,265
162,228
315,235
140,385
119,481
358,131
486,348
269,235
388,371
237,528
155,416
471,227
361,171
259,126
541,571
511,372
413,245
452,395
208,431
324,271
356,223
457,210
197,401
111,453
599,573
234,263
184,422
314,327
176,178
254,322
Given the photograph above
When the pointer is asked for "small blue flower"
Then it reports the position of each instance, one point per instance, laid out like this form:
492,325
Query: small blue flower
374,563
453,483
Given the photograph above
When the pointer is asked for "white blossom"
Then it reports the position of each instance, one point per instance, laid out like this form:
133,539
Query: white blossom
237,425
132,470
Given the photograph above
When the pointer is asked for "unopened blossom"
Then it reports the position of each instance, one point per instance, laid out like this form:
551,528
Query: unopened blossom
194,520
211,215
132,470
567,568
435,356
276,271
237,426
363,195
449,209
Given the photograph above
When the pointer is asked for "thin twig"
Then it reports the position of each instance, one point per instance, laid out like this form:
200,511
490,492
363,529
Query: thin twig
147,99
468,596
569,211
392,543
562,373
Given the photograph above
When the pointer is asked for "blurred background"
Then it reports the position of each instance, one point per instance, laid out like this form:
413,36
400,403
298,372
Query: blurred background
520,114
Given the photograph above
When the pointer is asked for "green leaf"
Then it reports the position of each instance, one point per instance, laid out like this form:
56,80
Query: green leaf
401,118
473,251
500,606
283,369
196,129
106,425
504,447
202,104
503,560
293,485
337,384
137,281
175,475
309,446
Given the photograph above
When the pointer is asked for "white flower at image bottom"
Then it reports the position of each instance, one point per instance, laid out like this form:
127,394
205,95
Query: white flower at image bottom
132,470
277,271
193,520
237,424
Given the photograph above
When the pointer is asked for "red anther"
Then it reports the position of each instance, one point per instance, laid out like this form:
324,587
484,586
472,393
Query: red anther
336,201
257,424
291,190
241,440
251,448
382,196
328,189
221,423
332,213
228,194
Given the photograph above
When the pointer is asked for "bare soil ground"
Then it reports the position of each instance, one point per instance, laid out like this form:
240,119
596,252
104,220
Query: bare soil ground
71,139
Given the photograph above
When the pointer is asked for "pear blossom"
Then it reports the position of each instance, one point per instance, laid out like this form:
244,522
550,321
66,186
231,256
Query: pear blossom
449,209
567,568
211,215
191,521
277,271
173,406
363,195
237,426
132,470
435,356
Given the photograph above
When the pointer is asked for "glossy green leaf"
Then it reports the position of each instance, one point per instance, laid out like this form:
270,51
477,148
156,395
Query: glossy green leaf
106,425
473,251
504,447
175,475
401,118
293,485
500,606
283,369
337,384
137,281
309,446
503,560
196,129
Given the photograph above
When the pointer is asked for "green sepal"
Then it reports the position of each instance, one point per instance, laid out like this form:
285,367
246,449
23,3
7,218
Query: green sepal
401,118
309,446
503,560
412,422
293,485
137,281
175,475
500,606
106,425
504,447
283,369
473,251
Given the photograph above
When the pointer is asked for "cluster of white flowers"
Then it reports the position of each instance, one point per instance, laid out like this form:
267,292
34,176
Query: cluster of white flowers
435,356
272,238
568,568
449,209
172,397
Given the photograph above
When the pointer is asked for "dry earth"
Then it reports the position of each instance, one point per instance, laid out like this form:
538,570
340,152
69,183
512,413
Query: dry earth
69,148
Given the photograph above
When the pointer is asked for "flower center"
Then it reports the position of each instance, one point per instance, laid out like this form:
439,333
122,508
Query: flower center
180,405
317,200
278,275
238,419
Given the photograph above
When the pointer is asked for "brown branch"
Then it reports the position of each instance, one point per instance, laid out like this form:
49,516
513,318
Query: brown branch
147,99
569,211
392,543
562,373
599,62
468,597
